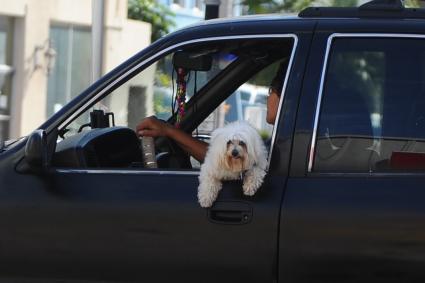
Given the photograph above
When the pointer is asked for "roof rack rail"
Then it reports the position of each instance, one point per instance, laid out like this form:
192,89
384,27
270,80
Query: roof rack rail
372,9
383,5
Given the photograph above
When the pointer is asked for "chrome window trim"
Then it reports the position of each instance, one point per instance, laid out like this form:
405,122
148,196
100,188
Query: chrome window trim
376,175
155,57
128,172
322,79
282,98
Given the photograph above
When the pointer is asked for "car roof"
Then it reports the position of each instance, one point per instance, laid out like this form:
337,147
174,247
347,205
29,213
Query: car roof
362,13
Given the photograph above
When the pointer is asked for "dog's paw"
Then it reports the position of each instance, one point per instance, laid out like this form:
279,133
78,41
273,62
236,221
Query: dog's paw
249,188
252,181
206,198
208,192
205,202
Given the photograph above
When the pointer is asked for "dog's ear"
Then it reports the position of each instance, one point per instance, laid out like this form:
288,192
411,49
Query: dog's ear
217,146
259,149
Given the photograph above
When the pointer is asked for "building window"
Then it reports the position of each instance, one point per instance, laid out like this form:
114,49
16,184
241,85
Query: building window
5,74
179,2
72,71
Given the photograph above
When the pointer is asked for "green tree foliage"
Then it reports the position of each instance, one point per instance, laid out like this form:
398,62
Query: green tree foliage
150,11
413,3
297,5
293,6
261,6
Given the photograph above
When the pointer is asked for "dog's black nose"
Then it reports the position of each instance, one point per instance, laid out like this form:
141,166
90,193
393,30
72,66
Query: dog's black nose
235,153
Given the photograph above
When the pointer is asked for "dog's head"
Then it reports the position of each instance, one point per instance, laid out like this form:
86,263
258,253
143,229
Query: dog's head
237,147
236,157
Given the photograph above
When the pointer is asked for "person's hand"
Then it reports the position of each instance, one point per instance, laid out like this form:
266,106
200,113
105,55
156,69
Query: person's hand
152,127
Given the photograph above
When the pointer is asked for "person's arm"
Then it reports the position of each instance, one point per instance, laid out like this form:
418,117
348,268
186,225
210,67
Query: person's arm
153,127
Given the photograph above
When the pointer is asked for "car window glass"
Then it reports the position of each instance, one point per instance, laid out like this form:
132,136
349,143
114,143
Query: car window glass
261,98
150,92
249,102
245,95
372,115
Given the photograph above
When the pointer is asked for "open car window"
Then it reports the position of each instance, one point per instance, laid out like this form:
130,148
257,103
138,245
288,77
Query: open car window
226,81
150,92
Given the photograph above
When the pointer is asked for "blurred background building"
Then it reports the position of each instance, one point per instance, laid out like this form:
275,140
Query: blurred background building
186,12
45,55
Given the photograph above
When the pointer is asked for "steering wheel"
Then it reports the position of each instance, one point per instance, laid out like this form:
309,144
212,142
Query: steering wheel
148,152
170,154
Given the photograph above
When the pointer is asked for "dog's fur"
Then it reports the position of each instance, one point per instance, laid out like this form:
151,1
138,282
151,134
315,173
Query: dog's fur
235,151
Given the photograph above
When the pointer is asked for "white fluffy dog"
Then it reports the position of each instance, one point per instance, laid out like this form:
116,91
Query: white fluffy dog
235,151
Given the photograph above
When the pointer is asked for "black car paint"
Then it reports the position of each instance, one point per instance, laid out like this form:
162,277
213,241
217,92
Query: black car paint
131,226
349,227
147,227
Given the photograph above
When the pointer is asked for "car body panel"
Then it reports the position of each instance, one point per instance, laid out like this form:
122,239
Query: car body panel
367,226
140,225
73,224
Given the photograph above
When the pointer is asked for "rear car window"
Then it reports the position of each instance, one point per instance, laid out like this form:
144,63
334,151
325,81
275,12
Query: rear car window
372,115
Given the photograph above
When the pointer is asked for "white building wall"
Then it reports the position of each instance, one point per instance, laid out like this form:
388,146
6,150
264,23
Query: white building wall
29,87
13,8
123,40
32,20
76,12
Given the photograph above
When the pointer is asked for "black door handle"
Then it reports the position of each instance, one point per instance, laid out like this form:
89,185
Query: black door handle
232,212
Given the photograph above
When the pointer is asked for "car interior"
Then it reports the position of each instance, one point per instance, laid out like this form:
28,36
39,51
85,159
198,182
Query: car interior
370,119
100,143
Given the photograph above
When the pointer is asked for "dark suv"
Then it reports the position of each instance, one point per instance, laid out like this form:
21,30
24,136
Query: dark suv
344,197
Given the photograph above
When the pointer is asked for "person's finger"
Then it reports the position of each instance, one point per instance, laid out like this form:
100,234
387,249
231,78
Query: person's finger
140,126
144,124
148,133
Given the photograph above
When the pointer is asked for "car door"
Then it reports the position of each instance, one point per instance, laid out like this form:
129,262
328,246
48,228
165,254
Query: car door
353,207
145,225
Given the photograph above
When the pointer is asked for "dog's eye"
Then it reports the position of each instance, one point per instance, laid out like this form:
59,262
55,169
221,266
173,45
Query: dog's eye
241,143
229,142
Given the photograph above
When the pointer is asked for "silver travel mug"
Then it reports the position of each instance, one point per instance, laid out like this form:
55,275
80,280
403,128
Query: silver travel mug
148,149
